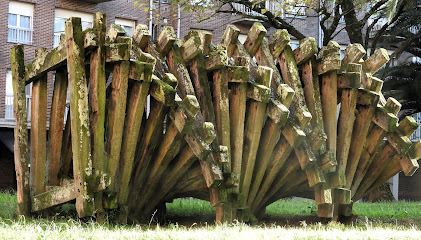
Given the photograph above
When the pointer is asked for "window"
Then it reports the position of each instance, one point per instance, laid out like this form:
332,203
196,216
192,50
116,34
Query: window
127,25
8,113
20,22
61,15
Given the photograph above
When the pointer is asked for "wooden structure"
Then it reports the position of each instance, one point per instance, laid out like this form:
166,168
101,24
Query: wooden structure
240,125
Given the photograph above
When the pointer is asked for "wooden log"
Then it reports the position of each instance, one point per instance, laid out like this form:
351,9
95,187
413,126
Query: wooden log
254,38
38,135
253,129
57,195
280,41
20,147
271,132
81,140
133,122
291,77
55,134
116,107
141,35
97,99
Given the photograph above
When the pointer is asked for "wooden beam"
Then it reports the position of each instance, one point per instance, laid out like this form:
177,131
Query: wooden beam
58,195
55,133
79,113
20,147
38,135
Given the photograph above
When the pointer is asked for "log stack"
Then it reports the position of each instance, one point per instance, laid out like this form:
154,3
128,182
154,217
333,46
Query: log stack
240,125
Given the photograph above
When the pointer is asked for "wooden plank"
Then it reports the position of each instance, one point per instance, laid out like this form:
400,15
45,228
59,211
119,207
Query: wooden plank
116,107
253,129
38,135
133,122
79,114
21,157
264,58
55,134
58,195
97,101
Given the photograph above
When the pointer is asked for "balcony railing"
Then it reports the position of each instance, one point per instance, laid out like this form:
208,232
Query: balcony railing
19,35
57,39
417,134
8,113
270,6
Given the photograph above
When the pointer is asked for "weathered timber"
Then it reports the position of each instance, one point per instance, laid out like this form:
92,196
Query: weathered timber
117,52
311,87
265,58
291,77
38,135
254,38
373,140
114,32
253,129
97,98
147,145
216,60
280,41
55,133
376,61
271,132
20,147
141,35
140,71
79,114
133,121
230,38
306,50
116,107
57,195
162,91
166,40
66,152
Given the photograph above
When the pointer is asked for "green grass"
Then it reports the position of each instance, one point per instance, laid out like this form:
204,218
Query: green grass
375,223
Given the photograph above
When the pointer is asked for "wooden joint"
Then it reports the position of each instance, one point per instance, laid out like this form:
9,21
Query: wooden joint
254,38
166,40
141,35
208,132
367,97
140,71
280,40
376,61
216,60
293,134
307,49
385,119
162,91
238,74
407,126
353,54
285,94
117,52
114,32
349,80
258,92
277,112
400,143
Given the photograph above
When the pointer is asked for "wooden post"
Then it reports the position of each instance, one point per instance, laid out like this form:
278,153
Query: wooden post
38,135
79,114
97,83
21,131
55,134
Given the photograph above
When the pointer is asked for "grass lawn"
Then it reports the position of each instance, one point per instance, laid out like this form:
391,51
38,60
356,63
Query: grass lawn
285,219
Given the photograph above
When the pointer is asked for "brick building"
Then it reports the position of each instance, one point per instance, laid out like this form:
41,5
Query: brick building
39,23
